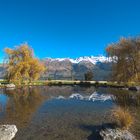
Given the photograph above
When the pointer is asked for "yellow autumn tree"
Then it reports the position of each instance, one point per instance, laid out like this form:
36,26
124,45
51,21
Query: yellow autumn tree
22,64
125,56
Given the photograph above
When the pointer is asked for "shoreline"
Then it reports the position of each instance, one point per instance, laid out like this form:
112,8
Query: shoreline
107,84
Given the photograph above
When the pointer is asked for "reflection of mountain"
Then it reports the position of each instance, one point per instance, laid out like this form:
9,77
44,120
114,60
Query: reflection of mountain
66,91
93,97
75,68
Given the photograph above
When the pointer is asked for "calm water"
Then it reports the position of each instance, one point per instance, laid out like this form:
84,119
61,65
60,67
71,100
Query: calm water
64,112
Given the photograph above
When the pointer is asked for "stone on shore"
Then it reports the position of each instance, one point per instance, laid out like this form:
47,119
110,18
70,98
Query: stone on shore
135,88
7,132
116,134
10,86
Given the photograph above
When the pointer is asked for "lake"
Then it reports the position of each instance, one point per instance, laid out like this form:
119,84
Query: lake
64,112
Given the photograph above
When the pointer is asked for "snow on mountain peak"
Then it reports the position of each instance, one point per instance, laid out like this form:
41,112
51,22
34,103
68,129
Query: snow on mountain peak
92,59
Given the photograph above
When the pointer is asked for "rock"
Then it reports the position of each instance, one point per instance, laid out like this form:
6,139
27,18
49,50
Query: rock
135,88
116,134
10,86
125,88
7,132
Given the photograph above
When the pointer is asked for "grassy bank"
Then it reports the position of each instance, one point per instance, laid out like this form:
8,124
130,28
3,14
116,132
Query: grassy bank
68,82
94,83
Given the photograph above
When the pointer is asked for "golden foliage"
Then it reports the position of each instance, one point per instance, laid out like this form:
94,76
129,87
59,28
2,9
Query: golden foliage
22,65
126,59
122,118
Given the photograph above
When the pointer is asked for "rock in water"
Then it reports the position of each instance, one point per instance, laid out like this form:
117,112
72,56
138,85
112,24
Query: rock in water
7,132
116,134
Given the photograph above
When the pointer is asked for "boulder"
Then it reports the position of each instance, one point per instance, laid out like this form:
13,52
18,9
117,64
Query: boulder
116,134
10,86
135,88
7,132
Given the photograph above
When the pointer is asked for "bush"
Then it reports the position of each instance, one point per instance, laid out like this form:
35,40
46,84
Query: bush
59,83
49,79
96,84
122,118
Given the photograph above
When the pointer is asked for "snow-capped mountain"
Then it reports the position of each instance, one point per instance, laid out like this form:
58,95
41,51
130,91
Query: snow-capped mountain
68,68
92,59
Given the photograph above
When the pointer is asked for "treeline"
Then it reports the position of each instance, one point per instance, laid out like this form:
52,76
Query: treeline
125,56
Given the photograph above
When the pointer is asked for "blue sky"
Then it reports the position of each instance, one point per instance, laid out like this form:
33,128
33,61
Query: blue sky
67,28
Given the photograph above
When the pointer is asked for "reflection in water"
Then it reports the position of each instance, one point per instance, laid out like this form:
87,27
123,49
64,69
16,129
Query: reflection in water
93,97
20,105
39,115
126,98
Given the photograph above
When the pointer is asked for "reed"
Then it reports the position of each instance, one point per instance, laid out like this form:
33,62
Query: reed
122,117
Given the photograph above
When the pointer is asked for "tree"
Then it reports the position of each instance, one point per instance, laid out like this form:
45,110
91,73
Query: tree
22,64
125,56
89,76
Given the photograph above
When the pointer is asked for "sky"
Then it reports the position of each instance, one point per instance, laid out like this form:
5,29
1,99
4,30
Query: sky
67,28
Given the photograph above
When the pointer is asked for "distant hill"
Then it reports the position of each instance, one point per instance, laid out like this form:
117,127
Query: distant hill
74,69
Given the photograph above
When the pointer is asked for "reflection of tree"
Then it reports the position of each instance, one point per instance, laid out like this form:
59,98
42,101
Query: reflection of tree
20,108
124,98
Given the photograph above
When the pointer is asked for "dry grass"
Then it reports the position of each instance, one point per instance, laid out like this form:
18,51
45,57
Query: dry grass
122,118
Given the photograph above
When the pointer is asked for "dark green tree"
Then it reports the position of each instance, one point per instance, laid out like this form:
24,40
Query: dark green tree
89,76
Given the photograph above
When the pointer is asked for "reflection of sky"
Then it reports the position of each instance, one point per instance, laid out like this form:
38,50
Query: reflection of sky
3,100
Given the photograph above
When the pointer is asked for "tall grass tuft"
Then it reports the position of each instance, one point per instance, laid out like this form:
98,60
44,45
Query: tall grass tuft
122,118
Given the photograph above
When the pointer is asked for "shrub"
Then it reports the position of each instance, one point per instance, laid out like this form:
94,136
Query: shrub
59,83
96,83
49,79
122,118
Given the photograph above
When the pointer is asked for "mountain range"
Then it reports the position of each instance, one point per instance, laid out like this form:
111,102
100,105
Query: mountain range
75,69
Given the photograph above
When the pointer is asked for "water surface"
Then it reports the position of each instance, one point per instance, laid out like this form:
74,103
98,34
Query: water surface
63,112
